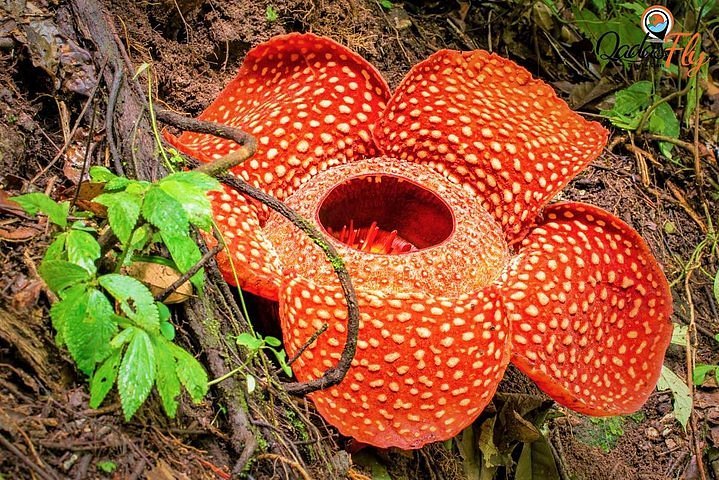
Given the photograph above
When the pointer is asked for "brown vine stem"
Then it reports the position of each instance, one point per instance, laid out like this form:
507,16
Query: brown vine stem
248,146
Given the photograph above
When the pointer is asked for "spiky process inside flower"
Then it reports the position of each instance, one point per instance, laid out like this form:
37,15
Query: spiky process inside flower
435,196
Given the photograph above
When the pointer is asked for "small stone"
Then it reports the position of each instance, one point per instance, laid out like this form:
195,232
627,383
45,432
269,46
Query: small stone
652,433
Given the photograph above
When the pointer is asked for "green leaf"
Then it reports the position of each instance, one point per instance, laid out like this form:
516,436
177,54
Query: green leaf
193,179
192,376
56,250
104,378
59,274
88,338
193,200
185,253
536,462
700,372
140,237
663,121
137,373
142,309
167,382
272,341
117,183
164,212
82,249
630,104
167,330
33,203
679,335
249,341
107,466
163,311
71,308
669,380
592,27
123,210
122,338
101,174
271,14
716,287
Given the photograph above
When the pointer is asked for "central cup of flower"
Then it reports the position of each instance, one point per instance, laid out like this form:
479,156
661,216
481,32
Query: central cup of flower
399,227
385,214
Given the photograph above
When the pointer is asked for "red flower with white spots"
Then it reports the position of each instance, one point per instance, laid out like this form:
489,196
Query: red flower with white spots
436,198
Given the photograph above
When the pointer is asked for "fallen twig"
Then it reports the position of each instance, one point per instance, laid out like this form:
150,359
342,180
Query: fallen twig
334,375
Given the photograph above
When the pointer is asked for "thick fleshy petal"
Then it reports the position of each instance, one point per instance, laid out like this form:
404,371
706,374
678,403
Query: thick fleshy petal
252,261
484,122
590,310
424,369
310,102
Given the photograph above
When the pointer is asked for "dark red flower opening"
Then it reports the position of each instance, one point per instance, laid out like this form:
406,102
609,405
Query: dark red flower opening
385,214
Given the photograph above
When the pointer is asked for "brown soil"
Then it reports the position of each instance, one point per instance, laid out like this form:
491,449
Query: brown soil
195,47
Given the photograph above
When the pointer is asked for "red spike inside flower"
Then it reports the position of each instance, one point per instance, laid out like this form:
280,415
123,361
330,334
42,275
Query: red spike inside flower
474,149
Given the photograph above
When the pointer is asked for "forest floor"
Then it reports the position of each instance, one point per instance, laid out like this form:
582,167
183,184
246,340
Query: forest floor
47,429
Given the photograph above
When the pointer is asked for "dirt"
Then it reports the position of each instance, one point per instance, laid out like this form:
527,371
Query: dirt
194,48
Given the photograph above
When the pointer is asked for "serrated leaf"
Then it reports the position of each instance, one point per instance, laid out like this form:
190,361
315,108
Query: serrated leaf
167,382
117,183
70,308
193,200
140,237
185,253
669,380
193,179
143,309
82,249
101,174
88,338
137,373
122,338
60,274
33,203
123,210
630,104
104,378
56,250
191,374
164,212
663,121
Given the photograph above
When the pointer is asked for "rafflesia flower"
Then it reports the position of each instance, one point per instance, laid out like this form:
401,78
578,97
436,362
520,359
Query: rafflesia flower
436,198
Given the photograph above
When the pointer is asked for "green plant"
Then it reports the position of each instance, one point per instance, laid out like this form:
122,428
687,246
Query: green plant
271,14
386,4
109,322
255,343
638,106
107,466
608,430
